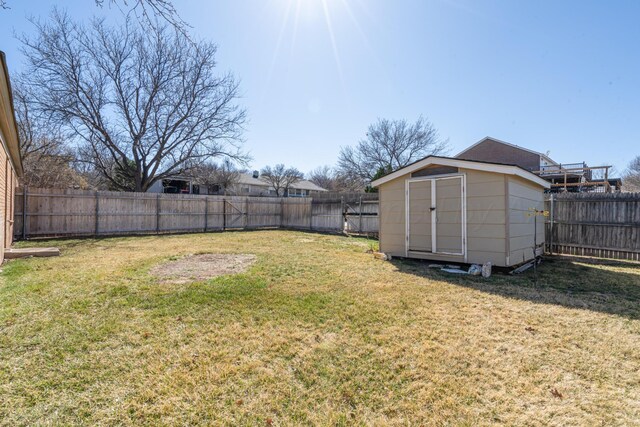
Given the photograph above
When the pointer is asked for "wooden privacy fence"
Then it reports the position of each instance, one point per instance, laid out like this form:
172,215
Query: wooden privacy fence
57,213
590,224
605,225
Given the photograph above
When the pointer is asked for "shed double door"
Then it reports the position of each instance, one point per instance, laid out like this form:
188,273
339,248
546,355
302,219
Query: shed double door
435,219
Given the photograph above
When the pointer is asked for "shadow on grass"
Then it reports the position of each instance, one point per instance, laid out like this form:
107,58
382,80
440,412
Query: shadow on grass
608,287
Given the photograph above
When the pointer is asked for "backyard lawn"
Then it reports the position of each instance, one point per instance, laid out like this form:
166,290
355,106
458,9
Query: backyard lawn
314,332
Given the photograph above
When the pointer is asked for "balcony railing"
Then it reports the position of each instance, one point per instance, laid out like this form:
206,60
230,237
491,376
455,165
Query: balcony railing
577,168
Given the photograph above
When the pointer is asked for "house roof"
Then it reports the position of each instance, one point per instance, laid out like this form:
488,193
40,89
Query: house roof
465,164
489,138
247,178
8,126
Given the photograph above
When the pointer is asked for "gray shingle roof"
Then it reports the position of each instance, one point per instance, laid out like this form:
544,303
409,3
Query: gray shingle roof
247,178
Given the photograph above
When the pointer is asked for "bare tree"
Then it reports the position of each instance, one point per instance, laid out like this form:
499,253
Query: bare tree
52,171
225,175
46,160
390,145
631,177
142,105
151,12
281,177
38,133
148,11
322,176
333,180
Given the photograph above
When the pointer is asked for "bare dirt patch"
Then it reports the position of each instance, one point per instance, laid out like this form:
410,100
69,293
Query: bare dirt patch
202,267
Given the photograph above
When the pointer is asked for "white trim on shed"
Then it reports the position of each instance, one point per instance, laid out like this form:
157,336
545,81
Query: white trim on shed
466,164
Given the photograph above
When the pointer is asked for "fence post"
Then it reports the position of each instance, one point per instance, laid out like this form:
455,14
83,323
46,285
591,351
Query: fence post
97,213
310,213
224,214
551,225
342,213
360,219
246,213
25,194
281,212
206,213
158,214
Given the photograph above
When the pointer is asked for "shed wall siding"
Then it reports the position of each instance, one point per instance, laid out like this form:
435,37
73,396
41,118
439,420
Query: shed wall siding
485,217
524,196
392,217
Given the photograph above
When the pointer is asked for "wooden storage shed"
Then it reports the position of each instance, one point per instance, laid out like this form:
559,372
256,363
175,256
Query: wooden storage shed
461,211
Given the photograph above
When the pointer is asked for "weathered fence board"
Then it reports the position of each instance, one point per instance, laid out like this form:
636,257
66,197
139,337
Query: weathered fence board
297,213
264,212
53,213
603,225
327,214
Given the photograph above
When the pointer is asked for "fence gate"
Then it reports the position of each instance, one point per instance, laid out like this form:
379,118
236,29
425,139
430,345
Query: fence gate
235,213
361,217
352,218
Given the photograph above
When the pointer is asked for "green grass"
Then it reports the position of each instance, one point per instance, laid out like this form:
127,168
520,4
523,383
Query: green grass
317,332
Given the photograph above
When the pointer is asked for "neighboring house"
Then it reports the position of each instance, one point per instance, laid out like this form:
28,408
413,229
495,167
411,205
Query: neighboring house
496,151
175,185
249,184
562,176
10,163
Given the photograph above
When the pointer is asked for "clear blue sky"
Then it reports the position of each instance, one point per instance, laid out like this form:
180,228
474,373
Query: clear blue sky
558,76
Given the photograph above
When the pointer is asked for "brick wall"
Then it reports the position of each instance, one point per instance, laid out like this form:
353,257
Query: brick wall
4,194
8,184
12,182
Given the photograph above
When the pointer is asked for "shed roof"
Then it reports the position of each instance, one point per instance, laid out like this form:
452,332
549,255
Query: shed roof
8,126
466,164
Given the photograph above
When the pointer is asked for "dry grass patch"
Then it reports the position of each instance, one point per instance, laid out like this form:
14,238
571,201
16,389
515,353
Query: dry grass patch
194,268
316,332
